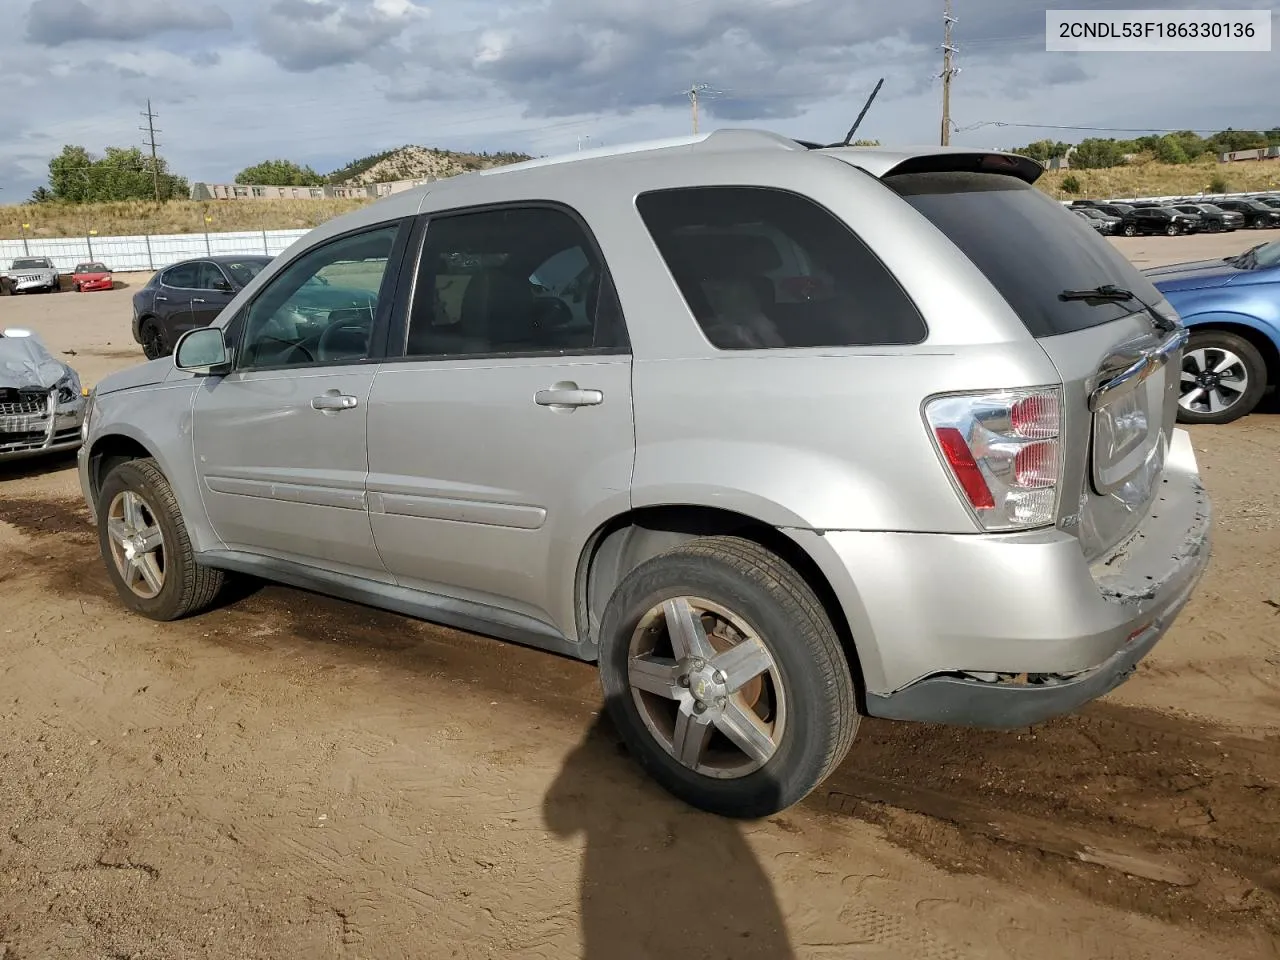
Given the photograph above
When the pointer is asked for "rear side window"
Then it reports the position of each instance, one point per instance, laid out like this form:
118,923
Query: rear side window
1028,246
764,268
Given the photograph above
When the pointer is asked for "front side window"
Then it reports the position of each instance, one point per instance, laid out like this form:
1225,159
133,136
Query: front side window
321,307
762,268
209,277
513,281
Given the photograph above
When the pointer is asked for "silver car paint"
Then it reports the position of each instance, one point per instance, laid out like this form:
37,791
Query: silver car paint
827,445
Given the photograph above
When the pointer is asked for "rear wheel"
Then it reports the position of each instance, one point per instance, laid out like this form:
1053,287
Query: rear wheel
1223,378
144,542
1129,230
1172,230
153,345
725,677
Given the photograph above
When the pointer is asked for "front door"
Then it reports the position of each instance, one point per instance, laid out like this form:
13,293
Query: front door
212,294
504,435
280,442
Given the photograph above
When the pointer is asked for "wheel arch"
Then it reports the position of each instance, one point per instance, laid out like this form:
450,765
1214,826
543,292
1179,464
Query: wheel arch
622,543
1263,337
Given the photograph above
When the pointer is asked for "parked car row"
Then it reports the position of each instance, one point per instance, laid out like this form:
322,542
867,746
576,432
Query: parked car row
1176,217
39,275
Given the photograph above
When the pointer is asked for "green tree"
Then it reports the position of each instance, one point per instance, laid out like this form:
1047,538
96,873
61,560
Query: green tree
1229,140
1094,153
77,176
1044,150
41,195
1071,184
1169,149
1219,184
279,173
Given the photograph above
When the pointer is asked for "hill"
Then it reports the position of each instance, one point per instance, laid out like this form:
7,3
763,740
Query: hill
185,216
410,163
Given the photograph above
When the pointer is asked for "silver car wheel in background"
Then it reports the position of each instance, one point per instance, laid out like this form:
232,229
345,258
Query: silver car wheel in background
707,688
1213,379
137,544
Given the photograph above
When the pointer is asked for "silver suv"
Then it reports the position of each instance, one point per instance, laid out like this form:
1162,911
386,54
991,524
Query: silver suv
778,435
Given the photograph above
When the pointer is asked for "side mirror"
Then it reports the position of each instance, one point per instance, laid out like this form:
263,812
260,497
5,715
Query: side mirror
202,351
222,286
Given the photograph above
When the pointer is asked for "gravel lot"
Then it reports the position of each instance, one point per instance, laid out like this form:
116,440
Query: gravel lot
290,776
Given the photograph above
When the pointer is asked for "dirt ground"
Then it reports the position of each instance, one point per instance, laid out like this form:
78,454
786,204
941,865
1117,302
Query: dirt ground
290,776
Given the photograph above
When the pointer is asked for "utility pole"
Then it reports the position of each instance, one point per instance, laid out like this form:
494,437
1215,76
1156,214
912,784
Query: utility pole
948,71
150,131
693,102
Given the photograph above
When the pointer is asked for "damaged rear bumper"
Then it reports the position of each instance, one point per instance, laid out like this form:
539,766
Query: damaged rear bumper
1003,632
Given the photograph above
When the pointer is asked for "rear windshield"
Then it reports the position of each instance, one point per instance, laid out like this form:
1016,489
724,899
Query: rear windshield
1027,245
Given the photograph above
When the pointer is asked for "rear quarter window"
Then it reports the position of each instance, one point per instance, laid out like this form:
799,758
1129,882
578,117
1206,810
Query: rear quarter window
762,268
1028,246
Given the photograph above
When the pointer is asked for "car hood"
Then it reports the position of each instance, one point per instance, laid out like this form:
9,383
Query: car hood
1193,275
142,375
31,272
90,276
26,364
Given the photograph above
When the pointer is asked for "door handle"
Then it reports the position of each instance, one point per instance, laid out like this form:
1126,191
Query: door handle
567,395
161,297
197,300
332,402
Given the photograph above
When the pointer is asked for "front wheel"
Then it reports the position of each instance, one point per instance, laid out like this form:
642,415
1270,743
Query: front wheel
1129,230
145,545
726,678
1223,378
153,345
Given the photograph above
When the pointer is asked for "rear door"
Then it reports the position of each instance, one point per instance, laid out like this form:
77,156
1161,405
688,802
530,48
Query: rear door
1120,371
173,299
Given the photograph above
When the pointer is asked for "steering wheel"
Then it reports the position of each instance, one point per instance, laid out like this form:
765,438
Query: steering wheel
356,345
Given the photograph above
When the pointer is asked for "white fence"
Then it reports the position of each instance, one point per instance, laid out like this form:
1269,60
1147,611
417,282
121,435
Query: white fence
123,254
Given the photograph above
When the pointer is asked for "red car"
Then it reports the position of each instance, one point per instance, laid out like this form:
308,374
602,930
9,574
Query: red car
91,276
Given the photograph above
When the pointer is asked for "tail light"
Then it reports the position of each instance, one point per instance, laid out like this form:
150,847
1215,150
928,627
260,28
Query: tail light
1004,452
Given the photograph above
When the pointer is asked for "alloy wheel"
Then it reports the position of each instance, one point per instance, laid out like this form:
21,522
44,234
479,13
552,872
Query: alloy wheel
1213,379
707,687
137,544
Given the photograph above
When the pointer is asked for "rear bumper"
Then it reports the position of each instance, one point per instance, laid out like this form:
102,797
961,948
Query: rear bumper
1005,631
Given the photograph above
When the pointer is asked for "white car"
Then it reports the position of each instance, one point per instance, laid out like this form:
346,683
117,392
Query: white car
29,274
41,400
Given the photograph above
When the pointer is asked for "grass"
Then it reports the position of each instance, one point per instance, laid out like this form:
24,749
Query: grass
135,217
187,216
1161,179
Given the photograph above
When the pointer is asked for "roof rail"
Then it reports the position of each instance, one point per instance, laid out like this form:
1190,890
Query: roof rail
725,139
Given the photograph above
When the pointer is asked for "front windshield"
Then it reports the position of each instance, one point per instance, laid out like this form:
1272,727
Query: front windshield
32,263
90,268
242,271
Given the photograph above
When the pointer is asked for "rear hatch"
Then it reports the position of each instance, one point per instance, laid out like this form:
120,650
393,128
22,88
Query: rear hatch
1119,364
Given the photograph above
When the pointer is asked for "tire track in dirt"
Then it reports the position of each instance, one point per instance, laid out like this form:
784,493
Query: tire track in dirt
1173,818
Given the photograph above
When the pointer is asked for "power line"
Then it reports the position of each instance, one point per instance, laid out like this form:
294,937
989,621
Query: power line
150,131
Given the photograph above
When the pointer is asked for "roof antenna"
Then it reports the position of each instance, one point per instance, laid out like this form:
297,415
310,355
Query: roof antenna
848,139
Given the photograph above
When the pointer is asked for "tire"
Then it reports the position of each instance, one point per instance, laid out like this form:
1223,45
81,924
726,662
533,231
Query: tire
806,692
1172,230
185,587
152,340
1213,346
1129,230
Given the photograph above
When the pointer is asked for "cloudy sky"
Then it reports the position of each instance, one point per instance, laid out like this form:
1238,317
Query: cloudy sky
325,81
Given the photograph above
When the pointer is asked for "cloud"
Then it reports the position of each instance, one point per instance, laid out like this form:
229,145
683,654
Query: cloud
51,23
307,35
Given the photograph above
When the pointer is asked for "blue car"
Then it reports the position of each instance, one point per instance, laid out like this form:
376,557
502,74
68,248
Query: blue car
1233,309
